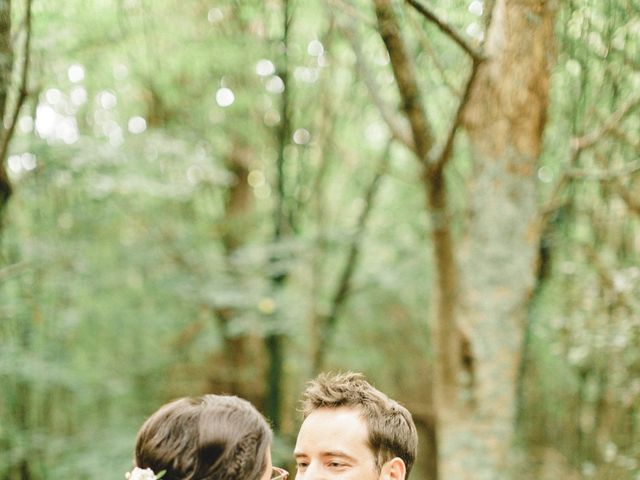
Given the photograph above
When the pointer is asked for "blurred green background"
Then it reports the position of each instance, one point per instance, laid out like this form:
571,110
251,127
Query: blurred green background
189,202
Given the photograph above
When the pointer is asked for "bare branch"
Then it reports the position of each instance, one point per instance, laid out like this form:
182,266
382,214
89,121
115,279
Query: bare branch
447,29
405,77
578,145
621,135
630,62
601,269
353,12
344,284
427,48
13,269
589,139
447,150
605,175
624,193
554,202
489,6
398,130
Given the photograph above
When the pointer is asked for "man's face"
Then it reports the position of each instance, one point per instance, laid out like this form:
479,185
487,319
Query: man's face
333,443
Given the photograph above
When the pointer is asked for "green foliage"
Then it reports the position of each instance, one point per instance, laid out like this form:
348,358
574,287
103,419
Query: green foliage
118,287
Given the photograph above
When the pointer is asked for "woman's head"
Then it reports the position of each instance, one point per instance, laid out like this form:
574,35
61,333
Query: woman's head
213,437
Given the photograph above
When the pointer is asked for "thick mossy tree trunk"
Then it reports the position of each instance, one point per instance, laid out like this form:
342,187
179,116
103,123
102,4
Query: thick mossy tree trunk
504,119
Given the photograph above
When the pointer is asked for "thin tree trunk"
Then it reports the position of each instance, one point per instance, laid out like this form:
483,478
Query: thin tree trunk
6,65
447,339
274,341
8,120
238,206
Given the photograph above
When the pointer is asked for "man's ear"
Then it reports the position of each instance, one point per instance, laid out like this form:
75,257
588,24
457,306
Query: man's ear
394,469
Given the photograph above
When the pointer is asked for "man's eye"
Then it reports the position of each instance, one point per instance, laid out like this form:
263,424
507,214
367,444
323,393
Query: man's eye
336,464
302,465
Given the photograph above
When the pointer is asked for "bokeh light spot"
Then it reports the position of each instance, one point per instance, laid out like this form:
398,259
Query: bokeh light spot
255,178
76,73
225,97
136,125
265,67
275,85
301,136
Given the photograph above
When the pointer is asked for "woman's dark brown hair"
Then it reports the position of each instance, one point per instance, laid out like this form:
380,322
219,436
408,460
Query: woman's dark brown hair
213,437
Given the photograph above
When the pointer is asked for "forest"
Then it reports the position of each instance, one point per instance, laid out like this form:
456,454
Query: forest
231,196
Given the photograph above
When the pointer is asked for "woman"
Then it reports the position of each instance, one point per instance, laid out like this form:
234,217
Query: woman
214,437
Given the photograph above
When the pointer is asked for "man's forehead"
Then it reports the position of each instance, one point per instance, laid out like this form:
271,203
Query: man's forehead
331,427
337,416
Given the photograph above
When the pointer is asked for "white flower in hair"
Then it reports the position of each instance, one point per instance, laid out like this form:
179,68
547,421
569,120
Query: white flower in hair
140,474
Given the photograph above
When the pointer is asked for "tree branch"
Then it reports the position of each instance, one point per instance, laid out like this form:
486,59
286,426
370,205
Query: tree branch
625,194
624,138
447,150
553,203
329,321
596,175
447,29
427,48
605,175
353,12
406,79
589,139
578,145
13,270
398,130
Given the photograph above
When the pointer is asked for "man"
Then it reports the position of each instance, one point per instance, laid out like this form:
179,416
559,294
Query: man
352,431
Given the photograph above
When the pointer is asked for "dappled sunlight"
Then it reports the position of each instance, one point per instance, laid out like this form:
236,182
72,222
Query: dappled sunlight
19,164
301,136
215,15
76,73
78,96
474,30
315,48
256,178
225,97
137,125
275,84
107,99
476,7
55,126
265,67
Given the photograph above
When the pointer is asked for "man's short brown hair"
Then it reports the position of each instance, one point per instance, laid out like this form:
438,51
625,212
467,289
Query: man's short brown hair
392,432
205,438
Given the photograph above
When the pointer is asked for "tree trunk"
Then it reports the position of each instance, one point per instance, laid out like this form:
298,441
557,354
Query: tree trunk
274,341
6,65
504,119
239,366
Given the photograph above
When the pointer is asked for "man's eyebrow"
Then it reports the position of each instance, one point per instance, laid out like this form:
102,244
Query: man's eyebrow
330,453
337,453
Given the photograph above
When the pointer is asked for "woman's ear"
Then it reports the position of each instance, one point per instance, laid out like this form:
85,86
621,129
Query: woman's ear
394,469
